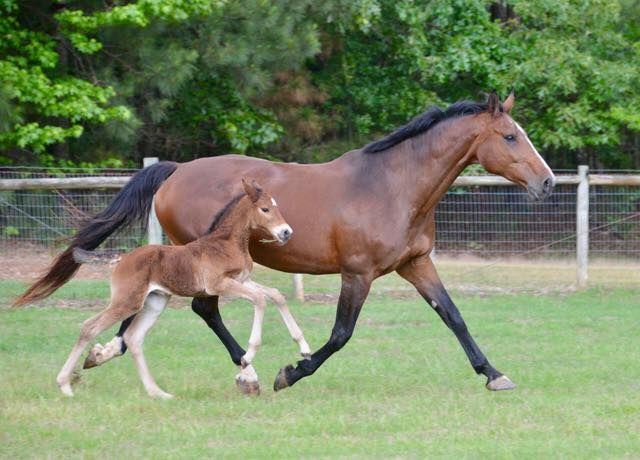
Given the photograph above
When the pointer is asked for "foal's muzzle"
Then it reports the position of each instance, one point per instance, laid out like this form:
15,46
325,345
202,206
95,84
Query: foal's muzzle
284,235
281,234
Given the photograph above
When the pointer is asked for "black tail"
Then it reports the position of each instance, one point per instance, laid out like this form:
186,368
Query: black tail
131,205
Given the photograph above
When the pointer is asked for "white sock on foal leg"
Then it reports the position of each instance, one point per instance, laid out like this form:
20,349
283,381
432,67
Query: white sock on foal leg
134,337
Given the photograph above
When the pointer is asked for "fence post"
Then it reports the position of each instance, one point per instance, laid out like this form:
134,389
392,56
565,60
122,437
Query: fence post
582,226
298,287
154,230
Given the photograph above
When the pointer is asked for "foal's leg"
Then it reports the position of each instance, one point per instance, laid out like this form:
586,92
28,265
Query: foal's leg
154,305
90,329
100,354
247,379
207,309
289,321
422,274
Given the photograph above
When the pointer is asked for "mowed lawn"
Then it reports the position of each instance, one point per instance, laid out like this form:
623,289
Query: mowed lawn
402,387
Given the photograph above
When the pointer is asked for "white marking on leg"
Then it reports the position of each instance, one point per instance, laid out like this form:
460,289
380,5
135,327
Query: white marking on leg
107,352
90,329
154,305
255,339
247,374
287,317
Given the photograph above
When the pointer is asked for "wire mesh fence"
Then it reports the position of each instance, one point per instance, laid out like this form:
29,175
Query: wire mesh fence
485,221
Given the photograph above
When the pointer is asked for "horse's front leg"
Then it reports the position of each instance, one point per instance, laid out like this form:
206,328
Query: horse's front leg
355,289
207,308
422,274
291,324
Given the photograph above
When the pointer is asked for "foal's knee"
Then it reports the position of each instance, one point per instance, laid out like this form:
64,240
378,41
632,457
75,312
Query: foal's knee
277,297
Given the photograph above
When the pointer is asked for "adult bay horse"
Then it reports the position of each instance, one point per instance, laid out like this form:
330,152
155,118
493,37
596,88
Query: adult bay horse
363,215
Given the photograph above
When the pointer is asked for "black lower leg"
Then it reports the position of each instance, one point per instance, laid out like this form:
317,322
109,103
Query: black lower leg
207,309
123,327
450,315
352,296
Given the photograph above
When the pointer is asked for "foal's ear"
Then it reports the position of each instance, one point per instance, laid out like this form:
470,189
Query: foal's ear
253,189
493,104
507,105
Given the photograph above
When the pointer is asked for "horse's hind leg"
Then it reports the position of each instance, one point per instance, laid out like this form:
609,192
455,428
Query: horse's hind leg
90,329
100,354
134,337
287,317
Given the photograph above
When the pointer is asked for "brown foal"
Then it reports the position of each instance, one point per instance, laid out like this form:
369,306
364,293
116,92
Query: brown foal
215,264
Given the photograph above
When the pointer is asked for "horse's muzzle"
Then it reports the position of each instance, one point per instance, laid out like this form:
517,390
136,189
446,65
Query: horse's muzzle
542,189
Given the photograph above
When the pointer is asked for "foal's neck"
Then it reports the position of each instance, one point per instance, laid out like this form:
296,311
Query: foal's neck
234,226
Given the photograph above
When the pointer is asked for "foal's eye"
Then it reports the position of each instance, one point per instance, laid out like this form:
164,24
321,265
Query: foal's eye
264,209
510,138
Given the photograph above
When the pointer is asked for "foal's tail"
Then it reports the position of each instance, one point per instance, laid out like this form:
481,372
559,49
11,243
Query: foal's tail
132,204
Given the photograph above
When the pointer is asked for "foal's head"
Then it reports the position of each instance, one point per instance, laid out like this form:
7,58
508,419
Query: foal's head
505,149
266,213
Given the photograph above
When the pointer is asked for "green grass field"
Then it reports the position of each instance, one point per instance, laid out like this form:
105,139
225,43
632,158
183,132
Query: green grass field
401,388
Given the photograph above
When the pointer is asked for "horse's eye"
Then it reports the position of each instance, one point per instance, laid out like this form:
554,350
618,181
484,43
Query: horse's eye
264,209
510,138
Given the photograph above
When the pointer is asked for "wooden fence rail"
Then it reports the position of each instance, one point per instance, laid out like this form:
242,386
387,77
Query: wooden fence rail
583,180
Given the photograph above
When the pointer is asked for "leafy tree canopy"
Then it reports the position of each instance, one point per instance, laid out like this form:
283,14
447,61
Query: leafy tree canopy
110,82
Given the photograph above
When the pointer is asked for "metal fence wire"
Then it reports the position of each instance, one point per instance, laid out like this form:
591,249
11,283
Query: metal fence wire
485,221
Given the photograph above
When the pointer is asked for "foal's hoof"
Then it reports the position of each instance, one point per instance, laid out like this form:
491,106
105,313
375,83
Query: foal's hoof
93,358
306,355
501,383
281,379
248,388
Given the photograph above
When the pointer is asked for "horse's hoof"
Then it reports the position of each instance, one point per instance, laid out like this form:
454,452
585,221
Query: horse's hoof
281,379
306,355
248,388
501,383
161,395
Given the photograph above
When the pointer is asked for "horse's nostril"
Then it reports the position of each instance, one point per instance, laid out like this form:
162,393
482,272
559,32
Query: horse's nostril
547,184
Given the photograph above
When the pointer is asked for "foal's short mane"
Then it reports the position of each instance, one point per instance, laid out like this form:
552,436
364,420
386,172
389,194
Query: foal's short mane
224,212
426,121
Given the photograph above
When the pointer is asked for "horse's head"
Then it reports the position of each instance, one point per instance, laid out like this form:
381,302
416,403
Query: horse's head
505,149
266,215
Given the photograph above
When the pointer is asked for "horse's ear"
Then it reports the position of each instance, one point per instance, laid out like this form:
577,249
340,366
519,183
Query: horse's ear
493,104
253,189
507,105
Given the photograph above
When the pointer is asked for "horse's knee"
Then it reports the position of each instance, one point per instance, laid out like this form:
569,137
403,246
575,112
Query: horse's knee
339,337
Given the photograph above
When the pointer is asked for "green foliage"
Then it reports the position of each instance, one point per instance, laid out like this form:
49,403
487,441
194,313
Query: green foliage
85,82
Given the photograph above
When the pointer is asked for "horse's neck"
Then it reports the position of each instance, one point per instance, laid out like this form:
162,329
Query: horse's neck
424,167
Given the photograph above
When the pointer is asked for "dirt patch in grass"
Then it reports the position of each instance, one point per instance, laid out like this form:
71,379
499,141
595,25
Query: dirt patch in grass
26,263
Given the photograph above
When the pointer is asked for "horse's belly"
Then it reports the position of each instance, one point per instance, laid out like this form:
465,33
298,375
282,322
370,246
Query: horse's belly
188,201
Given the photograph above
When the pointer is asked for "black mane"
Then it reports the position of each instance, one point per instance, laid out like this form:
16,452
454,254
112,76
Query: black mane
222,214
426,121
